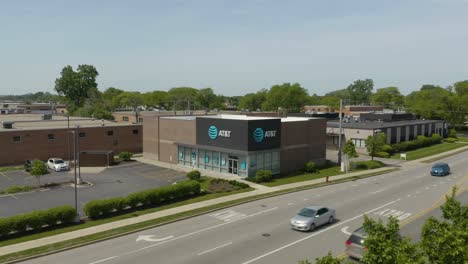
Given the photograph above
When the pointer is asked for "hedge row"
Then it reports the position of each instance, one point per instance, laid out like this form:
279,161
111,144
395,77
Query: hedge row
151,198
420,142
37,219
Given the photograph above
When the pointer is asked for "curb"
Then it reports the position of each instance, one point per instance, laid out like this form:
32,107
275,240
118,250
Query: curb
263,196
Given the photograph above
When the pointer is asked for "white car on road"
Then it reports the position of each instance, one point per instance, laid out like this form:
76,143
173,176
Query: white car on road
311,217
57,164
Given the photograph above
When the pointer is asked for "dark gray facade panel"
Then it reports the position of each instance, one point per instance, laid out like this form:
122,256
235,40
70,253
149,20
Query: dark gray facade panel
245,135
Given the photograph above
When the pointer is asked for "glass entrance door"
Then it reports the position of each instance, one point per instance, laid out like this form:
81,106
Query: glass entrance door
233,163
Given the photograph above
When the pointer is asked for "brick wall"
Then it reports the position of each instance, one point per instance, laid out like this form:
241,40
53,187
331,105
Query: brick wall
46,143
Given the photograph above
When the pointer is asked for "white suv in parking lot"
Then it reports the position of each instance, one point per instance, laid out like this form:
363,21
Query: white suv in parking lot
57,164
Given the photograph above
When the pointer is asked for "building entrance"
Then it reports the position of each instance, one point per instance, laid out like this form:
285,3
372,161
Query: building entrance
233,165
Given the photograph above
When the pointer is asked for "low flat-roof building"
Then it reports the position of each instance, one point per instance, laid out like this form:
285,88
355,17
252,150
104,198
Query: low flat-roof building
235,144
25,137
397,127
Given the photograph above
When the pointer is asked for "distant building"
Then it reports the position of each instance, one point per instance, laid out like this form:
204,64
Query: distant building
29,136
347,109
398,127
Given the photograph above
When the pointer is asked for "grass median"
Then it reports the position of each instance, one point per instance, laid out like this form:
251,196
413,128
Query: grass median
11,168
429,151
151,223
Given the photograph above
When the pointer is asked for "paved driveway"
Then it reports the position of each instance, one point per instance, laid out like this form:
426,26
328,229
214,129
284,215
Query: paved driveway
111,182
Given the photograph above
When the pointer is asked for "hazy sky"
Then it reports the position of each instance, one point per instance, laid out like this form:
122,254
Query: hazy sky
235,46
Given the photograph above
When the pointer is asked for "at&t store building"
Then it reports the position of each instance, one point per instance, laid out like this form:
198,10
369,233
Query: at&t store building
235,144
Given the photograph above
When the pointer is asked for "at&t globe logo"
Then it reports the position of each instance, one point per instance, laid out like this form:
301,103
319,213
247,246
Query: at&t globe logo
258,135
212,132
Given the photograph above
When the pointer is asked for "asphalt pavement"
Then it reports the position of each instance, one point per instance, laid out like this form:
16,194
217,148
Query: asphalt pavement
259,232
105,183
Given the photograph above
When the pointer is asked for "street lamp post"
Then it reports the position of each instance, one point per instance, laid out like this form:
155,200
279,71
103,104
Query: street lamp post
74,168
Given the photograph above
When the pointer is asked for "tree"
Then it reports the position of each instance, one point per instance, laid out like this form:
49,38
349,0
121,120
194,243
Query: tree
253,101
291,97
350,149
76,86
343,93
386,246
446,240
360,91
389,97
333,103
38,168
180,96
156,99
204,98
131,99
328,259
375,143
109,98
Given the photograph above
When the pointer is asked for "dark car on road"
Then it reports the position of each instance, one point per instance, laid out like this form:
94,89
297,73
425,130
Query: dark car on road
440,169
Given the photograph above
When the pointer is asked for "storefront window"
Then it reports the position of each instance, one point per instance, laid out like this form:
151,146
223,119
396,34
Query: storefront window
216,158
267,161
275,166
260,161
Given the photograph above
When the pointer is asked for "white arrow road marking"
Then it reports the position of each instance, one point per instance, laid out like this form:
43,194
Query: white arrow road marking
345,230
209,250
149,238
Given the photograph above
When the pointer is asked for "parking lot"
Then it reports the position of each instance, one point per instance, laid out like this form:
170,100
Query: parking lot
105,183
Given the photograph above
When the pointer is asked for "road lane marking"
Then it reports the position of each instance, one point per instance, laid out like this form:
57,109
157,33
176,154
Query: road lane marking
400,215
317,233
345,230
199,231
209,250
378,191
102,260
150,238
290,203
228,216
306,199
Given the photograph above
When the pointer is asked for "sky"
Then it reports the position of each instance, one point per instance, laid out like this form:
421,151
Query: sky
235,47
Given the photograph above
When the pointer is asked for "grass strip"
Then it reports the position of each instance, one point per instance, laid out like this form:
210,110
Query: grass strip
11,168
77,242
444,156
429,151
16,189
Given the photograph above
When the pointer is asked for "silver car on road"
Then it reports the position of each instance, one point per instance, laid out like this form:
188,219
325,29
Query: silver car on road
311,217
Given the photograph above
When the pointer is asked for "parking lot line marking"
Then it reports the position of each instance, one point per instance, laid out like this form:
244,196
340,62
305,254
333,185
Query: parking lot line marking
378,191
102,260
209,250
14,197
319,232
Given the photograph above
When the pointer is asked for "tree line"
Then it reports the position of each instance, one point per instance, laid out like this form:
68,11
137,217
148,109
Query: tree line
79,90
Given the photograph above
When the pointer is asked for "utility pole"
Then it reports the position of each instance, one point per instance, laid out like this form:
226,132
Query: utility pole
340,132
74,167
78,180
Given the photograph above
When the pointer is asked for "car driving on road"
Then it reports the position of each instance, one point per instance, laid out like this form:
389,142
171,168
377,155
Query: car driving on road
440,169
355,244
57,164
311,217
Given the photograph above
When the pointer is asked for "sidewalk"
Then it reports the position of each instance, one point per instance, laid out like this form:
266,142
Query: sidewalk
259,189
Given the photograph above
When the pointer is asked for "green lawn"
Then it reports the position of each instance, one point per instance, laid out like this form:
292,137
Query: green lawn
304,177
463,139
429,151
10,168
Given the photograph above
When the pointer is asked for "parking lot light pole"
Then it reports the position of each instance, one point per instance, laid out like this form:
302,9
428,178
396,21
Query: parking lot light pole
78,180
74,167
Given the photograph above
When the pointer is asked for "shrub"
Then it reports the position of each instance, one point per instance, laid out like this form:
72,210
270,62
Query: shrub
16,189
239,184
382,154
452,133
37,219
367,165
387,148
450,140
194,175
310,167
263,176
104,207
125,155
153,197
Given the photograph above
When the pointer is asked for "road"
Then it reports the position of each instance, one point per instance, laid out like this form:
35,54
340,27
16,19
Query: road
258,232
